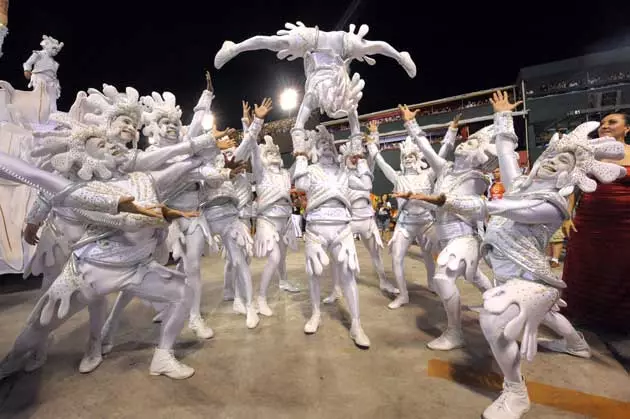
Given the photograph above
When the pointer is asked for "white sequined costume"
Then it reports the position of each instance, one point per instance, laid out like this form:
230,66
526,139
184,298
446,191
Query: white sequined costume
521,224
457,236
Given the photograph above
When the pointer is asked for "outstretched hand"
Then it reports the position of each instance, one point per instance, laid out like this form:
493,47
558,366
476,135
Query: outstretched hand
225,143
209,86
406,114
171,214
437,200
455,122
501,102
247,112
568,227
262,110
373,126
220,134
127,204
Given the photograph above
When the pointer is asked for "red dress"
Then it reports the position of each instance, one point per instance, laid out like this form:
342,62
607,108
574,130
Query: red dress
597,266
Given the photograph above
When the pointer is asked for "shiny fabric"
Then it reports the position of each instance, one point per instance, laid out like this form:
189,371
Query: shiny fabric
598,259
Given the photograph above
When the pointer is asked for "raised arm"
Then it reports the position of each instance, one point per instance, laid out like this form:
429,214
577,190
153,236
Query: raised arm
505,138
202,109
375,154
248,144
448,143
435,161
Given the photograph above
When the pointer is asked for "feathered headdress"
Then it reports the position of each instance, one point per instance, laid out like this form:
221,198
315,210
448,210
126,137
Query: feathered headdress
50,42
408,147
318,135
353,147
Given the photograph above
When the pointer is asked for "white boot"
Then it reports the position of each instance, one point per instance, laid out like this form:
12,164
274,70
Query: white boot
92,358
399,301
312,324
252,317
238,306
263,307
198,325
358,335
225,54
513,402
288,287
450,339
387,286
334,296
579,347
164,363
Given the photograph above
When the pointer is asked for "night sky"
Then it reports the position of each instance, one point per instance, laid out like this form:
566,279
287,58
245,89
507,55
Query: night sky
155,45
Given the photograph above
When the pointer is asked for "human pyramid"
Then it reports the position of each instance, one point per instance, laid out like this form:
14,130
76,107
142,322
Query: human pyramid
110,214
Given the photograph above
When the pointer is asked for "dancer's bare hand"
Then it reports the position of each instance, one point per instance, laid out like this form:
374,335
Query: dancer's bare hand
218,134
247,112
171,214
373,126
27,75
406,114
127,204
30,234
438,200
262,110
501,103
455,122
225,143
568,227
209,86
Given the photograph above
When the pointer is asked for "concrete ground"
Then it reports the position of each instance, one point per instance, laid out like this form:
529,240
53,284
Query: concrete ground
275,371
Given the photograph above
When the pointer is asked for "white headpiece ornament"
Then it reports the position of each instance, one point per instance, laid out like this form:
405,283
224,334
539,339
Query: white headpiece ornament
320,134
158,107
65,148
49,41
111,103
408,147
484,157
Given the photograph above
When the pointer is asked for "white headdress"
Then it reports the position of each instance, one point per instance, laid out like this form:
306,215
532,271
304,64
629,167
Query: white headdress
485,156
408,147
587,154
353,147
111,104
266,147
320,134
64,149
158,107
49,41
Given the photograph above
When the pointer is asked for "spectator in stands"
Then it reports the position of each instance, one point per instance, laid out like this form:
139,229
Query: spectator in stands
497,189
383,215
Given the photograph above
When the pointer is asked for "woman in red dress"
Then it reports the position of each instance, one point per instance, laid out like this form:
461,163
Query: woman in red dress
597,265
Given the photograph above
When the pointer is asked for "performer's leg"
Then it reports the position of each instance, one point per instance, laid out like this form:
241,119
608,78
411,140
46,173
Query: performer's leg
174,291
313,323
399,246
351,293
365,47
572,342
238,258
284,282
273,264
93,356
336,292
370,243
230,50
452,338
195,244
113,320
514,401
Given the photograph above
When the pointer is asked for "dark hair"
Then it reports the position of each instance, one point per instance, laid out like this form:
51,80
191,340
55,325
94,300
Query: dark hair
626,119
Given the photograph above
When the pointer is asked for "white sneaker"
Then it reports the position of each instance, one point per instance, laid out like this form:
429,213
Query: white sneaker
388,287
288,287
92,358
399,301
450,339
579,349
225,54
252,318
238,306
263,307
513,402
164,363
198,325
312,324
358,336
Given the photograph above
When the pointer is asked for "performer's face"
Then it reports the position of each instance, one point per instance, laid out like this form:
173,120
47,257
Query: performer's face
169,128
124,129
51,49
325,148
497,174
273,157
101,149
552,167
410,160
467,147
614,125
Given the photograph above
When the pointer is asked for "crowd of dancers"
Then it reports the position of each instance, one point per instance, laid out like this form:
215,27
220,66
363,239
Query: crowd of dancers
110,214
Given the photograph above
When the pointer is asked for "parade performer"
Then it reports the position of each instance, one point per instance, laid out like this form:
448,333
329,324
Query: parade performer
458,237
515,242
328,234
